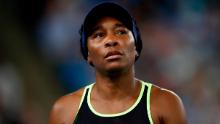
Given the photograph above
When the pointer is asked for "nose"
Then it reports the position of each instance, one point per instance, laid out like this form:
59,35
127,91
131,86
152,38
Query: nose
110,42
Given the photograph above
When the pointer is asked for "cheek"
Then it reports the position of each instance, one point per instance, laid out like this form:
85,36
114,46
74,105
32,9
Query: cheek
94,50
131,45
92,47
131,49
131,42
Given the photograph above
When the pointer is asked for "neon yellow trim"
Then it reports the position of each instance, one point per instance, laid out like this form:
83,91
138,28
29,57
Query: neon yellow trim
116,114
81,100
148,102
83,96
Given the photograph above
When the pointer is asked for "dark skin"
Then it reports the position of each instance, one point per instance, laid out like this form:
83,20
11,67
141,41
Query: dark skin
112,53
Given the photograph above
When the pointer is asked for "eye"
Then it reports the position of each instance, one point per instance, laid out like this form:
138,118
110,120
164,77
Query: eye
98,35
121,31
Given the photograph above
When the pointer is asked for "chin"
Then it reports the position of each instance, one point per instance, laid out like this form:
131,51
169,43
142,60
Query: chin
115,70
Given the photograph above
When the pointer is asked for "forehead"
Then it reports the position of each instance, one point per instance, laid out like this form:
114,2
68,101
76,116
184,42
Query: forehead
98,21
108,20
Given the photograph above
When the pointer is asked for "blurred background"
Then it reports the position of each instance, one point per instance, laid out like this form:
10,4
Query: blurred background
40,58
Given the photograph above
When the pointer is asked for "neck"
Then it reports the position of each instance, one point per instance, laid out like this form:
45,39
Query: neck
116,86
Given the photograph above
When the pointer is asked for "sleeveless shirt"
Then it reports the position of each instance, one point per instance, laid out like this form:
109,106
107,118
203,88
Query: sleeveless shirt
138,113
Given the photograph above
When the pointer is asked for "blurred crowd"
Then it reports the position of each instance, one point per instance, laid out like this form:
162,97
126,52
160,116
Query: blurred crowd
40,57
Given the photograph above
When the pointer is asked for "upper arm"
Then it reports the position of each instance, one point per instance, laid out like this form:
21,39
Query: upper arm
65,109
173,109
57,114
169,107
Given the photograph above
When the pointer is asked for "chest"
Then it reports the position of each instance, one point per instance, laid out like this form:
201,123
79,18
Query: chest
112,106
127,111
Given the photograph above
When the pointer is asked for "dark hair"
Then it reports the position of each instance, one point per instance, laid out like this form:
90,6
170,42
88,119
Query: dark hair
113,10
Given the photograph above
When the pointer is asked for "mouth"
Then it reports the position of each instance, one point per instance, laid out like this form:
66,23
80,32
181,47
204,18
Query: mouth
113,55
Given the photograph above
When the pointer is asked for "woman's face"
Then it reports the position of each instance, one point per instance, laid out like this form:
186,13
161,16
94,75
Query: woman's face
111,45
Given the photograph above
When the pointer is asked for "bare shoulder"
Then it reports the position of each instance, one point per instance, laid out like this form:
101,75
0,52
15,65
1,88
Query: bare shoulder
65,108
165,96
167,106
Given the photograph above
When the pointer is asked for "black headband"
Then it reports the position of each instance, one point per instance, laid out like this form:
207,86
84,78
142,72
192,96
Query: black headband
113,10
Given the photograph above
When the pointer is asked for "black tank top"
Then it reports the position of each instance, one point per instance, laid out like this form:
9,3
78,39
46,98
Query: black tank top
138,113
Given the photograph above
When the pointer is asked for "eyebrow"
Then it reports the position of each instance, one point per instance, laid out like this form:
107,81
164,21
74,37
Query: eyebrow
96,28
117,25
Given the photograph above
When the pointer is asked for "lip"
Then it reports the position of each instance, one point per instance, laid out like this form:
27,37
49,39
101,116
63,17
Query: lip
113,55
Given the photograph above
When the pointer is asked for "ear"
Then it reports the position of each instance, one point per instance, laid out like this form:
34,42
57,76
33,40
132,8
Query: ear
89,60
136,54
